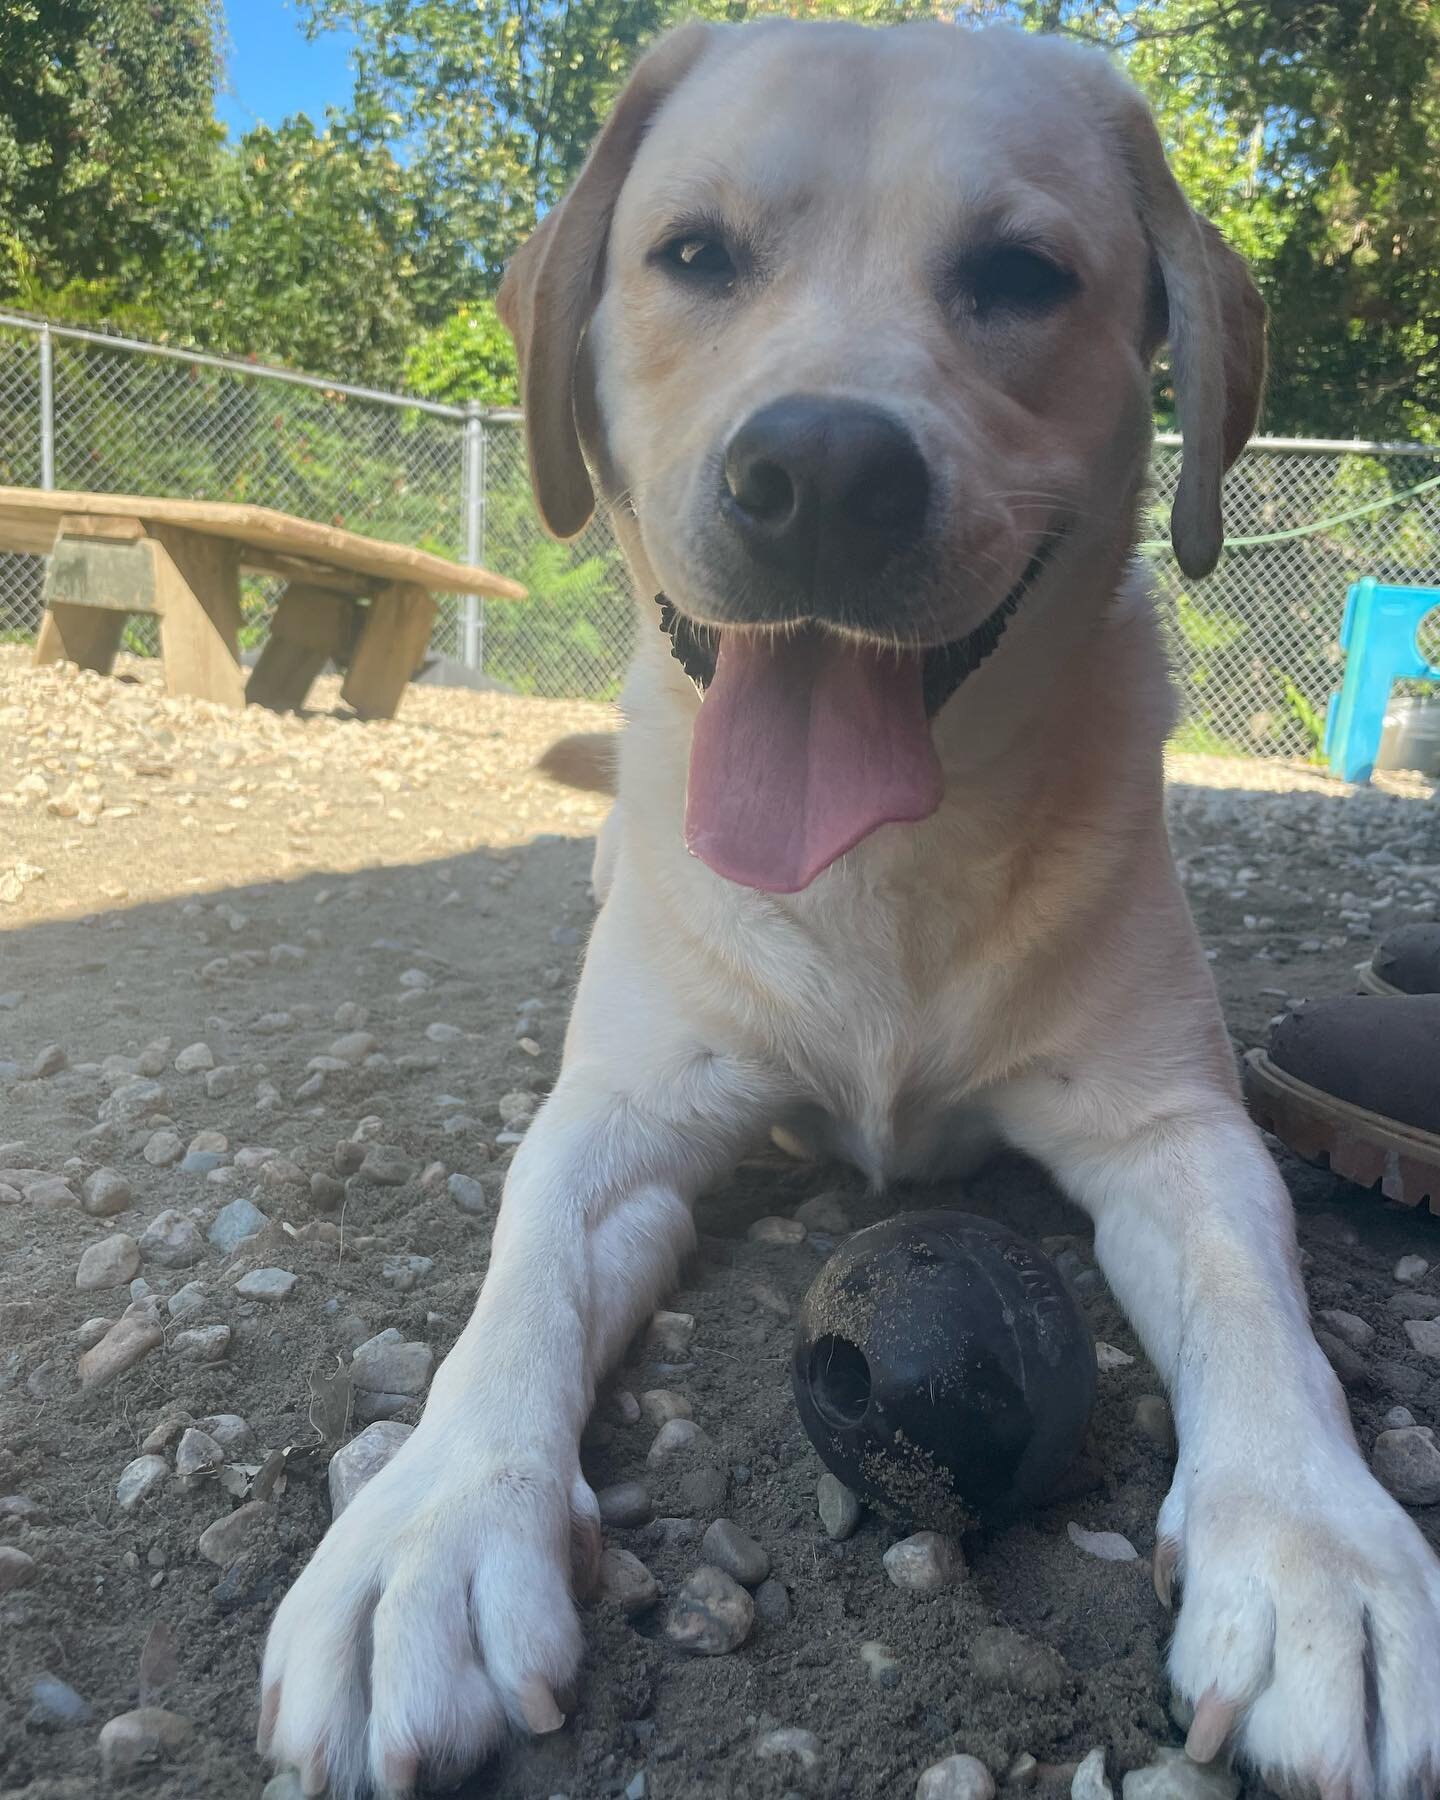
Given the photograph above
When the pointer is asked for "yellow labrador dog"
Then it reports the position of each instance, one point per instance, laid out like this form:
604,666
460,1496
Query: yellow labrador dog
852,330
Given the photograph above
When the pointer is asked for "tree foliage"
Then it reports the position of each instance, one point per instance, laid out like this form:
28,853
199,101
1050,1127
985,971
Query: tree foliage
368,245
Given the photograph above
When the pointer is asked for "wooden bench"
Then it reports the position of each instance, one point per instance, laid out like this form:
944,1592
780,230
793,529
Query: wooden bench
366,603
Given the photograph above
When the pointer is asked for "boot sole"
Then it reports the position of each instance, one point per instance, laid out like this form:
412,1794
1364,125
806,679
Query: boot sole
1363,1147
1370,983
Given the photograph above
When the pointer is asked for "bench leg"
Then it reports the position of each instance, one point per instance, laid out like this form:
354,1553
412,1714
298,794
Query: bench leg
392,645
197,594
88,636
310,626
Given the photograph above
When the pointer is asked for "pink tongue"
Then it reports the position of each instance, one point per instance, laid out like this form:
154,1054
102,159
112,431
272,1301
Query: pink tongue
803,746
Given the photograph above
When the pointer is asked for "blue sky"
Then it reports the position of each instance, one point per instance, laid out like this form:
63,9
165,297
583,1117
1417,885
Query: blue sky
272,70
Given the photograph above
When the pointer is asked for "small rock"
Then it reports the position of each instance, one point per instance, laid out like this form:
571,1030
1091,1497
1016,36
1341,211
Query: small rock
1006,1659
50,1061
711,1615
106,1192
469,1195
1407,1461
163,1149
280,1173
660,1405
194,1059
881,1663
354,1046
202,1343
678,1437
1397,1418
139,1479
516,1109
1424,1336
385,1167
1109,1357
790,1744
327,1193
133,1336
625,1580
362,1459
823,1213
403,1272
131,1101
1109,1546
197,1453
671,1332
729,1548
1411,1268
386,1365
90,1333
223,1542
350,1016
225,1080
1090,1781
777,1231
1349,1328
956,1778
229,1430
138,1738
49,1190
201,1162
1154,1420
924,1563
1172,1776
839,1509
110,1263
1348,1364
441,1033
270,1285
172,1240
772,1601
236,1221
187,1299
1023,1772
55,1703
626,1503
1414,1306
17,1570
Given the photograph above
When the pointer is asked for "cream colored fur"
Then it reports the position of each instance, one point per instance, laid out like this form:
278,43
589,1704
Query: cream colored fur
1020,965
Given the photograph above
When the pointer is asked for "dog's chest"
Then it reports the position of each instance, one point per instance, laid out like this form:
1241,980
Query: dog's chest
882,1030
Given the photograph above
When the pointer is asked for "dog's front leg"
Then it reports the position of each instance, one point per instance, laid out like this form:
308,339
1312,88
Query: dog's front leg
1309,1635
437,1610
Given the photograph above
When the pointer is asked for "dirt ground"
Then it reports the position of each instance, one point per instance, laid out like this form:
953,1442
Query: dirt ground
171,876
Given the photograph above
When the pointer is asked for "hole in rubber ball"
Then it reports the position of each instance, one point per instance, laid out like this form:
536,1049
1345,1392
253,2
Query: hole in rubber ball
839,1381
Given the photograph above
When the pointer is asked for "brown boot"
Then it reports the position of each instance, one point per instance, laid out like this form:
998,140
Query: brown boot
1406,961
1355,1083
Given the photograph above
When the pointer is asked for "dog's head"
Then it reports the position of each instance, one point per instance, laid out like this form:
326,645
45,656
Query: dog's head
858,325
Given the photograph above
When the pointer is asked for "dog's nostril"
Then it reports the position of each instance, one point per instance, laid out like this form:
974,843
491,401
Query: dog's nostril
761,488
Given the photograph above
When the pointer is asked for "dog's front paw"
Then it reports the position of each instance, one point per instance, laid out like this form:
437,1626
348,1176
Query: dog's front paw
436,1613
1309,1634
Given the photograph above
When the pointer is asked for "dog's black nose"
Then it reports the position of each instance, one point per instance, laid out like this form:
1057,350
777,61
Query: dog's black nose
814,485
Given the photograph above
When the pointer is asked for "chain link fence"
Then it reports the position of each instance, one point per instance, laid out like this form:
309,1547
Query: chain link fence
1254,647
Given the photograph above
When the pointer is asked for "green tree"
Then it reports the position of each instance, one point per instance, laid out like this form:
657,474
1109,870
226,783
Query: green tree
1309,130
106,115
467,357
496,101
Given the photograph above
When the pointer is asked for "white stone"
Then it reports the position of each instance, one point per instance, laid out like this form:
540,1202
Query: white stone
362,1459
139,1479
956,1778
109,1263
924,1563
269,1285
1109,1546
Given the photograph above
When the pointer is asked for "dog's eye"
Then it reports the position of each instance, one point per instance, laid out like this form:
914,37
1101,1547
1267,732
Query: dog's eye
1013,279
696,257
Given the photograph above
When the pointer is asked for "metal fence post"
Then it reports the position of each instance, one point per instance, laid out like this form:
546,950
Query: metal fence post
47,408
473,463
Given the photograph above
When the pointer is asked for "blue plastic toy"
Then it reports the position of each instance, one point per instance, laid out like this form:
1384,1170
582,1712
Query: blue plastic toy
1380,638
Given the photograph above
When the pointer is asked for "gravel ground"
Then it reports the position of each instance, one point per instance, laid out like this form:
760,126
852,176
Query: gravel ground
277,997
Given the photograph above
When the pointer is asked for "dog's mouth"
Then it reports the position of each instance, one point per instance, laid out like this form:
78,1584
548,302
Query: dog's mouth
809,741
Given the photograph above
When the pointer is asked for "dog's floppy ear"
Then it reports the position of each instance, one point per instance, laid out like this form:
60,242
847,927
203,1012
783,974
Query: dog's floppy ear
552,282
1211,313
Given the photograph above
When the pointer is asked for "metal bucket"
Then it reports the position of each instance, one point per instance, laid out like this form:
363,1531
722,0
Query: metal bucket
1411,739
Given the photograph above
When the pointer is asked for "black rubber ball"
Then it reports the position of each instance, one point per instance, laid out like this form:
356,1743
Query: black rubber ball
943,1369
